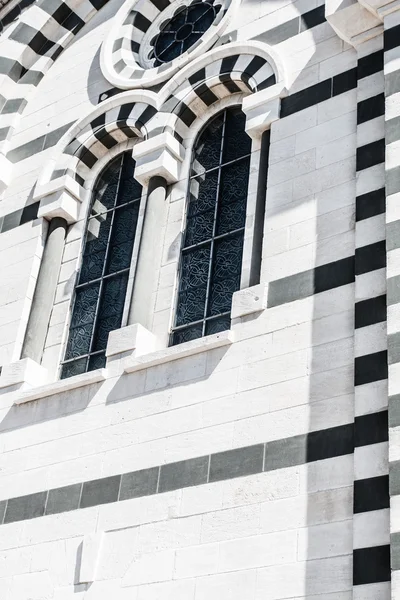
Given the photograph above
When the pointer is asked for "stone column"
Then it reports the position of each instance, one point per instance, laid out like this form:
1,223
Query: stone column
43,299
261,110
157,165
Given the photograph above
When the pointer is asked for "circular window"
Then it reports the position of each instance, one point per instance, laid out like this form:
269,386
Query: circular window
182,31
150,40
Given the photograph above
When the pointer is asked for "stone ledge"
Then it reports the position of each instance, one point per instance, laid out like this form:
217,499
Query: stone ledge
62,385
217,340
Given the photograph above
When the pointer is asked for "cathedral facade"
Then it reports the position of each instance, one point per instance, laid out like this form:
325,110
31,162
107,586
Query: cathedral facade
200,300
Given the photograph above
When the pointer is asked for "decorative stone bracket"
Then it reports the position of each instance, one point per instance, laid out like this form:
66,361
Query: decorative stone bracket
356,21
159,156
60,198
262,109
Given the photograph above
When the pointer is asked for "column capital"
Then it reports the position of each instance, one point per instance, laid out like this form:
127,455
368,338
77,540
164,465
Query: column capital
60,197
353,22
161,156
262,109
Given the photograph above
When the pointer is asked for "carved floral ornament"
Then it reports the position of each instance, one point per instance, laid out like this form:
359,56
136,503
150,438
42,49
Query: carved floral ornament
151,39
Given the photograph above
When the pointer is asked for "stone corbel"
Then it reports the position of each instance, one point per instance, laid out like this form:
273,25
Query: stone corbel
355,21
262,109
381,8
160,156
21,375
60,198
133,340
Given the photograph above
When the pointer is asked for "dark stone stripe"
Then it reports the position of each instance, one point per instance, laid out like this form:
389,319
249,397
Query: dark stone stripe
391,38
371,108
371,494
239,462
344,82
370,258
312,18
392,130
370,155
306,98
371,429
371,367
393,235
371,565
369,65
38,144
370,204
370,312
314,281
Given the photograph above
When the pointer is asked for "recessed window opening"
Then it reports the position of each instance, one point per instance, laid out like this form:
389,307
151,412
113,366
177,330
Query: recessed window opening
103,277
211,255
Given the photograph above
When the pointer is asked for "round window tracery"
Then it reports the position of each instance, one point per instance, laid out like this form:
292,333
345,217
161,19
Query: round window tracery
183,30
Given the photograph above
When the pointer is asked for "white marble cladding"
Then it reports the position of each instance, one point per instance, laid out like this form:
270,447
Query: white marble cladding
283,373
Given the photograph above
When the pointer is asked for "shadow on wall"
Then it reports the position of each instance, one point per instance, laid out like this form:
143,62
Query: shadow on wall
328,389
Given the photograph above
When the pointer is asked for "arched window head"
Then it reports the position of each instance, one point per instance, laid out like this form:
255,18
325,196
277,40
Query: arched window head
103,277
211,255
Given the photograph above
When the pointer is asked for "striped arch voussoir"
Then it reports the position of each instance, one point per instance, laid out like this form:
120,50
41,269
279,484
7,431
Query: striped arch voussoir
239,73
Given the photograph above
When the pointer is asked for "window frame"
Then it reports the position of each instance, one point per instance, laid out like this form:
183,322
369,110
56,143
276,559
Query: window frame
90,185
198,127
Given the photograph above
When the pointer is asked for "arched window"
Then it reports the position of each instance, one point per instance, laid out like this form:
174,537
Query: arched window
103,277
211,255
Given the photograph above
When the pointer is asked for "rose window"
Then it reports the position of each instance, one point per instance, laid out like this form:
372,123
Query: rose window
182,31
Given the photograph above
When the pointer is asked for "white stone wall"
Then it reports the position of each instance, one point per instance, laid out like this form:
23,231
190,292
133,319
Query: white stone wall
284,532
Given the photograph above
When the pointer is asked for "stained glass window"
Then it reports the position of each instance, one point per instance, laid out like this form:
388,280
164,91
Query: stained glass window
103,276
183,30
211,255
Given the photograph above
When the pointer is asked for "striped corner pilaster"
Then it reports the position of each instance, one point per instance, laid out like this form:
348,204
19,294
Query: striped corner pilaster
371,550
392,135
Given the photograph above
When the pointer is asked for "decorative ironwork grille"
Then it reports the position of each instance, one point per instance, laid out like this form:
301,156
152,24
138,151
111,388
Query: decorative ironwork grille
211,256
103,277
182,31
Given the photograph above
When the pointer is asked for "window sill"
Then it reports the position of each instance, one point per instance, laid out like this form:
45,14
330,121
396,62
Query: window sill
217,340
62,385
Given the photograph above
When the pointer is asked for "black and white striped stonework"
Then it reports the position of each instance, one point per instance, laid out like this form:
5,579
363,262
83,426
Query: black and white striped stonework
392,127
371,566
27,52
93,141
237,73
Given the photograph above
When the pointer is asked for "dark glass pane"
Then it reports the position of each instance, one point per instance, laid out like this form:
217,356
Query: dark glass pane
236,141
82,321
226,270
189,333
171,51
76,367
203,193
231,216
98,230
208,148
130,189
203,21
110,309
194,268
122,237
218,324
190,40
199,228
191,304
105,191
98,361
235,181
85,305
177,20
